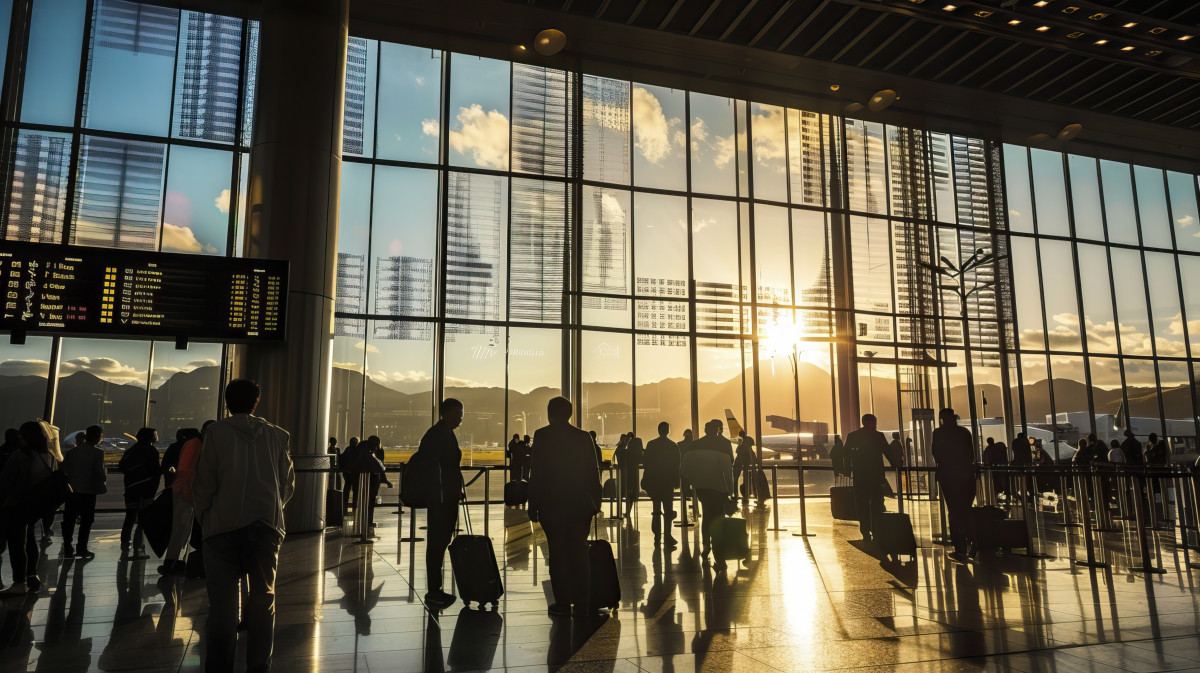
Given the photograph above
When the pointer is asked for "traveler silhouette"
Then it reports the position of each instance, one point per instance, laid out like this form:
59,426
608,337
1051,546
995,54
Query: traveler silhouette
140,464
685,489
1132,448
629,458
708,466
838,457
441,445
956,476
660,480
866,448
564,495
1022,452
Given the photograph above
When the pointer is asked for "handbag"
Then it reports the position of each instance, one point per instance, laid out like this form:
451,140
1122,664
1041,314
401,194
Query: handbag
421,483
731,506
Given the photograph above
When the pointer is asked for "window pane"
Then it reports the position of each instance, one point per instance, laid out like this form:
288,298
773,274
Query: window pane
1016,189
475,375
714,249
132,58
186,386
943,177
770,152
1164,305
534,377
1085,198
476,264
354,235
866,166
538,246
663,385
37,198
719,374
773,264
1141,389
52,62
1152,208
410,88
661,245
120,194
909,178
657,314
1058,284
1118,203
399,391
479,99
102,381
1106,389
811,254
1097,300
1183,210
358,121
872,264
23,376
196,213
5,19
208,77
804,157
1131,301
658,137
713,140
1050,194
606,369
541,104
1189,270
404,243
249,82
607,252
1070,392
346,387
1177,398
1027,293
1037,391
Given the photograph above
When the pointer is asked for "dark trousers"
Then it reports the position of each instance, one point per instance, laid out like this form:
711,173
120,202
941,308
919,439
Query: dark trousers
251,553
959,495
570,570
81,506
868,500
439,528
131,529
712,506
664,513
23,552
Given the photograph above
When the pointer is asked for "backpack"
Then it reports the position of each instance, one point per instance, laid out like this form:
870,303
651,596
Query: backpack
46,494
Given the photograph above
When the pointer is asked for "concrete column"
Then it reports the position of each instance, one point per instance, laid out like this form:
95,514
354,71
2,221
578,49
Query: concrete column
295,168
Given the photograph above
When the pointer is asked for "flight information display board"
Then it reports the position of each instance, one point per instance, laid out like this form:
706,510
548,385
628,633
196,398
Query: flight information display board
57,289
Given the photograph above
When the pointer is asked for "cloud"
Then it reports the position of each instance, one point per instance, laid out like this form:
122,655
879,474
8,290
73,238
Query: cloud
24,368
370,349
109,369
720,147
184,240
430,127
654,136
196,364
610,209
1014,212
699,224
222,201
484,135
1185,221
419,80
770,142
385,377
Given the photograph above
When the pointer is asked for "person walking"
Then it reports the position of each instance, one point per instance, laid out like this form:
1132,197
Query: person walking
629,458
25,468
838,458
708,466
244,477
685,489
953,452
369,458
866,448
440,445
84,467
564,495
182,510
743,466
140,465
660,479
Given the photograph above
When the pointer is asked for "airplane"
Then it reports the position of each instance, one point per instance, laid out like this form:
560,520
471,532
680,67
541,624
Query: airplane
789,443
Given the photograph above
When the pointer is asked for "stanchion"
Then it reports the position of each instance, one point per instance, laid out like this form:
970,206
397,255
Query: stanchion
412,527
942,537
684,522
487,499
1194,503
1104,516
1081,496
1032,528
362,508
1139,511
775,498
803,504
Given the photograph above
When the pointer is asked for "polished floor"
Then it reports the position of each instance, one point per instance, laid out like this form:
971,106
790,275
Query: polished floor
800,603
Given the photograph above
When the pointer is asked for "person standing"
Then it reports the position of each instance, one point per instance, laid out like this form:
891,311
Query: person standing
866,447
369,458
332,447
1022,451
708,466
685,489
660,479
629,458
956,475
182,512
743,466
25,467
564,495
84,467
244,477
1132,448
440,445
511,453
140,465
838,458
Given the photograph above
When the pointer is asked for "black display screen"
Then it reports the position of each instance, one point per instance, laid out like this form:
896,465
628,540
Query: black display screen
57,289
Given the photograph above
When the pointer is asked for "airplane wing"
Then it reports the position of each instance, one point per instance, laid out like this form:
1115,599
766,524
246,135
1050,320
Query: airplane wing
732,424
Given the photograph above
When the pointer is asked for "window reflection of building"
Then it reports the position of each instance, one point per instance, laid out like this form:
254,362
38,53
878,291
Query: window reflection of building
540,104
350,288
473,248
120,192
210,77
354,118
403,286
38,188
538,248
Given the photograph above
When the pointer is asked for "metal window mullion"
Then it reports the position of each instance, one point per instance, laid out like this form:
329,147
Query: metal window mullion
12,87
1112,290
693,367
1183,312
1080,307
439,334
1137,214
235,192
993,173
1037,252
76,136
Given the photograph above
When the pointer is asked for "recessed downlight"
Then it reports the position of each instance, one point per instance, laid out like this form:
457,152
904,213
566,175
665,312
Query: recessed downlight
1184,38
1158,30
1042,29
1126,48
1070,10
949,8
1131,24
1014,22
1101,41
1041,3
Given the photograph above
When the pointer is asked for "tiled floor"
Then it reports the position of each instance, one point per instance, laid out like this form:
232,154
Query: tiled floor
800,603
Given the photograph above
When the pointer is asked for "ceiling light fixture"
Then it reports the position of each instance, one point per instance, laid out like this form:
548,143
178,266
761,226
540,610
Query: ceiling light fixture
1042,29
1069,131
1070,10
950,8
881,100
1126,48
983,13
1131,24
1158,30
1075,36
1041,3
1014,22
1101,41
853,107
1098,16
549,42
1154,52
1185,38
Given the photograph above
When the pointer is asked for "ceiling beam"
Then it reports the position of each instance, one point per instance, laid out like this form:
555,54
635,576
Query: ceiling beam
712,7
783,9
861,34
912,47
1144,96
737,21
988,62
670,15
1085,80
941,50
831,32
1035,72
883,45
1171,97
1053,80
964,58
803,24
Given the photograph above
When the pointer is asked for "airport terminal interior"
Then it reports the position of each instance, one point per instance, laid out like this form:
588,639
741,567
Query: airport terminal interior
781,214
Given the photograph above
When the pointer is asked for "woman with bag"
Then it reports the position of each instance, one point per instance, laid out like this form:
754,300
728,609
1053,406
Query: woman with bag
24,472
140,465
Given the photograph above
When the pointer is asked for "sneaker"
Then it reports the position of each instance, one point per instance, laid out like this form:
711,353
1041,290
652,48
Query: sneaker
17,588
67,549
33,582
85,555
559,609
438,598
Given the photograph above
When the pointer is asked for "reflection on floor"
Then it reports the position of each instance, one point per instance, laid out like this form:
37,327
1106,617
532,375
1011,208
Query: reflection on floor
799,603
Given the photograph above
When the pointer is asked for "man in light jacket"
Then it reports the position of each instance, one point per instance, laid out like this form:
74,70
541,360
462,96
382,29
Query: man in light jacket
243,479
84,467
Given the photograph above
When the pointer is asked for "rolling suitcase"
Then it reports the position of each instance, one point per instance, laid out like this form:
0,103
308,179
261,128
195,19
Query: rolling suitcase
474,563
155,519
609,490
894,535
335,510
994,530
730,539
841,503
605,590
516,493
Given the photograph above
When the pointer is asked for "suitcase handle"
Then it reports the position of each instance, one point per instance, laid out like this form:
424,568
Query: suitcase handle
466,515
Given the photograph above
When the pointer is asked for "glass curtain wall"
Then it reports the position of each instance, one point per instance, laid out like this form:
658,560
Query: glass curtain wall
132,132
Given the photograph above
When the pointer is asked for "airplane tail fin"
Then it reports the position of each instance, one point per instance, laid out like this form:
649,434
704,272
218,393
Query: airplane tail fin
731,421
